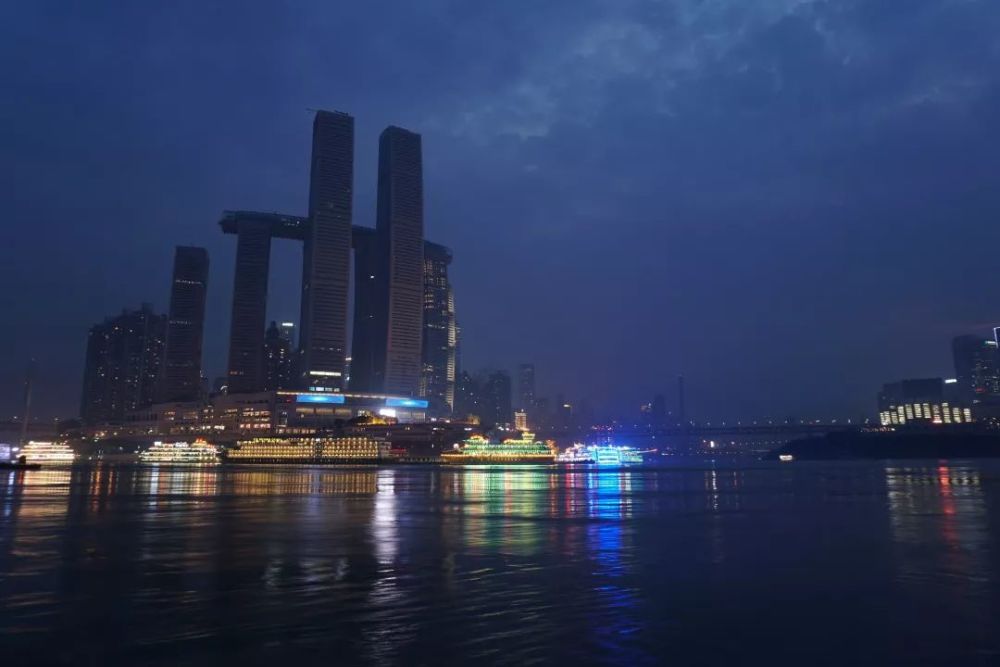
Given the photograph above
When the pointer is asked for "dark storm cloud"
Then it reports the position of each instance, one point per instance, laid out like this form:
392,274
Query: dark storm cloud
790,201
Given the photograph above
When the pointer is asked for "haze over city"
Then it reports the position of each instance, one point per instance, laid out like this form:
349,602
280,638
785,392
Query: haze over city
789,202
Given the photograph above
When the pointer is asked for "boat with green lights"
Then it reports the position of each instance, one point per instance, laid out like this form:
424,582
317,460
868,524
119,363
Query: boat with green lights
478,450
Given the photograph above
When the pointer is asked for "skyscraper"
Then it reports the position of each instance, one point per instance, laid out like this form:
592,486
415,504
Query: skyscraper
526,387
977,368
496,404
277,359
400,226
437,382
246,327
368,341
123,364
181,378
327,252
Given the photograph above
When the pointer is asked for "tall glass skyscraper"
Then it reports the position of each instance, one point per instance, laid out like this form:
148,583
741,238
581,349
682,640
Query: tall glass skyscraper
327,252
181,380
400,227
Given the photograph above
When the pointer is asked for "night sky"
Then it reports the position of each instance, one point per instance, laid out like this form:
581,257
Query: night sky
788,201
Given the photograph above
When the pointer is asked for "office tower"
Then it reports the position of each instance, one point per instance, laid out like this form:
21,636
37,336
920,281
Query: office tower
526,386
468,396
123,365
287,331
327,252
520,420
246,327
496,399
368,341
977,369
437,382
278,357
181,375
920,401
400,227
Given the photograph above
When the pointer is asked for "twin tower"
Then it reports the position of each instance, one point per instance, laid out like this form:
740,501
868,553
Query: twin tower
388,318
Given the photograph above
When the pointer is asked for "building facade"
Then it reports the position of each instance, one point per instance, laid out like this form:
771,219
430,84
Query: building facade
921,401
181,374
977,369
279,364
400,230
440,336
526,387
123,365
327,252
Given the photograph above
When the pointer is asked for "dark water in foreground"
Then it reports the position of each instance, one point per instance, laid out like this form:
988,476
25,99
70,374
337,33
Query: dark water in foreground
791,564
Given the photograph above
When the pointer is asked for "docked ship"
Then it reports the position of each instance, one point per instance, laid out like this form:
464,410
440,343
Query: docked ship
198,452
602,455
480,450
37,451
308,450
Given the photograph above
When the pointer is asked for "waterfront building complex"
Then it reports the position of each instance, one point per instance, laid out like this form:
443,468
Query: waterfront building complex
920,401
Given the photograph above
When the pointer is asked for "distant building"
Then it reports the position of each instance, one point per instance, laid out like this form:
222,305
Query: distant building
468,396
123,365
521,420
526,387
977,369
440,337
181,373
496,399
278,360
919,401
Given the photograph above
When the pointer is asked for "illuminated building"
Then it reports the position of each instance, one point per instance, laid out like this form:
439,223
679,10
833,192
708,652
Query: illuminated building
480,450
123,365
347,449
197,452
977,371
278,359
521,420
496,404
37,451
181,380
920,401
440,339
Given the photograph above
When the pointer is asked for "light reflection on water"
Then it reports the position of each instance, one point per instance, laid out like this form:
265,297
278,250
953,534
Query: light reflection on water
519,565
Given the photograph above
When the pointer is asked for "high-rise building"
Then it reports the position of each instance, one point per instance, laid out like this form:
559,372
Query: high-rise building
400,227
246,327
526,387
327,252
521,420
440,337
496,399
181,373
278,360
977,369
123,366
368,342
287,331
468,396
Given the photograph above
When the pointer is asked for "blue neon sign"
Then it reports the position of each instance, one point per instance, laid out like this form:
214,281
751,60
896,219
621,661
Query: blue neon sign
320,398
405,403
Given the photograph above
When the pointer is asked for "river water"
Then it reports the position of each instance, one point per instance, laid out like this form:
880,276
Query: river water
700,562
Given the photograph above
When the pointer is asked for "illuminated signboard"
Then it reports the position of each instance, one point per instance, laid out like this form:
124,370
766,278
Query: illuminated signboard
405,403
320,398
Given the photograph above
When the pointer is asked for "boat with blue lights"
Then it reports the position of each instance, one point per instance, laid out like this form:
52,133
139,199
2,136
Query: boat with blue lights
479,450
602,455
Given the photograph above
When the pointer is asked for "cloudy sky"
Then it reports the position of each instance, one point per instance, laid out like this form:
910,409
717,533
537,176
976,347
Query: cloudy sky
788,201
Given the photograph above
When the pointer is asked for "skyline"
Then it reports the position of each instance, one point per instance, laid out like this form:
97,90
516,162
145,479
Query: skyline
690,227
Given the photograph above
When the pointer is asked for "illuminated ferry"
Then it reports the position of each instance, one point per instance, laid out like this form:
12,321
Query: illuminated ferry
347,449
37,451
480,450
198,452
602,455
